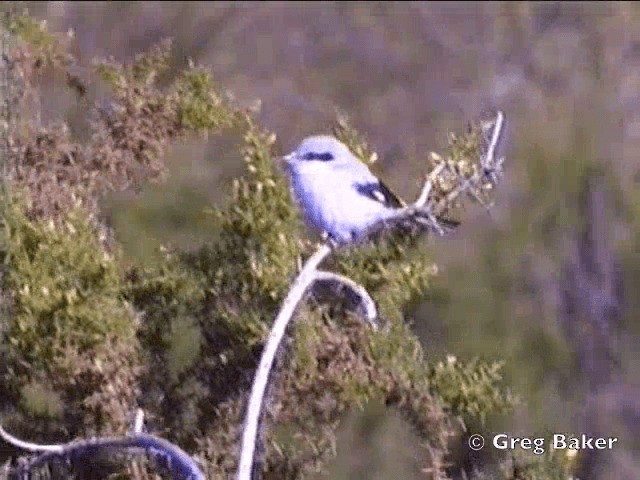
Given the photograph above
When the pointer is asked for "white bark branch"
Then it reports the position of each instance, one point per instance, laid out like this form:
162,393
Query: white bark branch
367,305
300,286
138,422
426,189
31,447
306,278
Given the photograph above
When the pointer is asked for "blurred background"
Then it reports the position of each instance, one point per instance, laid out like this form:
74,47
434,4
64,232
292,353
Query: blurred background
547,282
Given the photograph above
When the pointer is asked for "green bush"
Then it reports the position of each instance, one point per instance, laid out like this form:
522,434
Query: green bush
66,290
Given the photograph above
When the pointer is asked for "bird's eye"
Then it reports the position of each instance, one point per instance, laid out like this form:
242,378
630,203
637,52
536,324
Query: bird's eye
323,157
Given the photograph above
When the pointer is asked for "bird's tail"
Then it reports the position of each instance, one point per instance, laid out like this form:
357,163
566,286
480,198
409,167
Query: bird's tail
447,223
418,222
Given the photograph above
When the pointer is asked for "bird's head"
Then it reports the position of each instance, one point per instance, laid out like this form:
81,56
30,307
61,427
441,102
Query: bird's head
319,149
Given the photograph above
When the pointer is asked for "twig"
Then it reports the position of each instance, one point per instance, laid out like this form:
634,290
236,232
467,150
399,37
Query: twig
425,212
489,159
426,189
138,423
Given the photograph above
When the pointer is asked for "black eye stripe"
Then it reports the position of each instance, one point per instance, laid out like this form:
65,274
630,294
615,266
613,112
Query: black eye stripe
323,157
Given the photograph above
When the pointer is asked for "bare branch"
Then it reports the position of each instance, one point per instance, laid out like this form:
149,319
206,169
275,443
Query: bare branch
489,161
366,304
428,212
426,189
138,425
163,452
31,447
300,286
306,278
138,422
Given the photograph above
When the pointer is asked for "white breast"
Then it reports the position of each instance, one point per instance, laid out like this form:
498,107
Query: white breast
330,201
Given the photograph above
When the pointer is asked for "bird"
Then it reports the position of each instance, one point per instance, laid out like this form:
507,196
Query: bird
338,195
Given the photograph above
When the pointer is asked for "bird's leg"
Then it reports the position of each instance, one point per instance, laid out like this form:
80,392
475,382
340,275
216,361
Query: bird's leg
329,240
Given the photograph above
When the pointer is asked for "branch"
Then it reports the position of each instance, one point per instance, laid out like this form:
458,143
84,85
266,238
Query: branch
307,277
452,179
138,422
426,189
366,305
249,435
31,447
165,453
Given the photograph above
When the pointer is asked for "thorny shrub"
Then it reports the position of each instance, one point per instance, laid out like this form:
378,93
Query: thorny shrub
95,336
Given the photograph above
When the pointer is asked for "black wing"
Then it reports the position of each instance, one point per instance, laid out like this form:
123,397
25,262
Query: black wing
379,192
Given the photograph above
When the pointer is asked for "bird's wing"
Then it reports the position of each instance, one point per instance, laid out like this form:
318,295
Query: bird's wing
378,191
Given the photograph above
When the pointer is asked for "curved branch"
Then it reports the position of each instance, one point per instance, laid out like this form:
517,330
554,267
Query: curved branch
249,435
367,305
167,454
31,447
307,277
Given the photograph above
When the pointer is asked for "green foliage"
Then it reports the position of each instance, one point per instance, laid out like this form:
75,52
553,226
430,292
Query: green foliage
394,268
170,297
197,103
44,48
41,401
184,347
45,45
471,388
164,291
249,267
346,366
200,106
142,72
66,290
71,335
347,134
